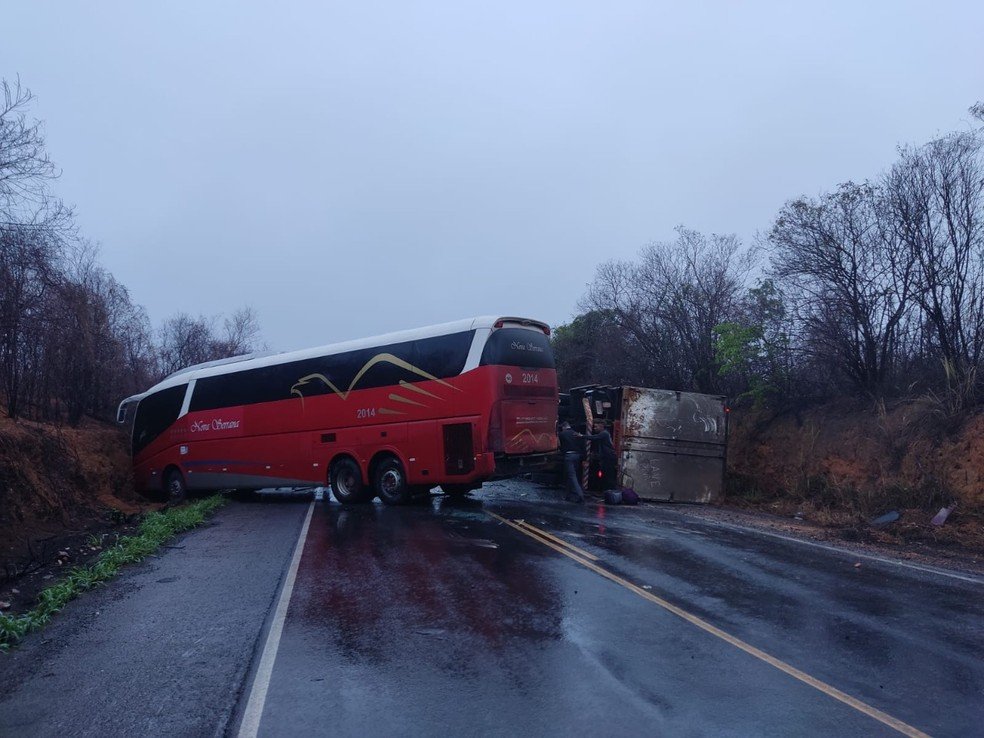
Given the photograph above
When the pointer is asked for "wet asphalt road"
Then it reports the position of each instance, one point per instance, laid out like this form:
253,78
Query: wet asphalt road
165,648
443,618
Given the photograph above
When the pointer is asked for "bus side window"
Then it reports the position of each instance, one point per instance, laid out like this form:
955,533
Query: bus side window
443,356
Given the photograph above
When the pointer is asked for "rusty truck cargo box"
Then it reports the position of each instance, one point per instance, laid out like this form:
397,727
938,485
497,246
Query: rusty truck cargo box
672,444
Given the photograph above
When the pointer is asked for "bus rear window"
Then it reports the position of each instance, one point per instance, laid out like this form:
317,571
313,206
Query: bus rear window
518,347
155,413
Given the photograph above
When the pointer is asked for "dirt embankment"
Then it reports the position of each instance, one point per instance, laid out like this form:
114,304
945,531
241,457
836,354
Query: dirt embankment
841,465
58,484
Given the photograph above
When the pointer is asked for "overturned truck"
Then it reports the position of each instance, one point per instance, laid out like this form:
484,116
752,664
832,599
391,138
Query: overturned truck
670,446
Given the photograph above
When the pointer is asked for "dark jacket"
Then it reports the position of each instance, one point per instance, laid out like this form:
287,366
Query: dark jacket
603,443
570,443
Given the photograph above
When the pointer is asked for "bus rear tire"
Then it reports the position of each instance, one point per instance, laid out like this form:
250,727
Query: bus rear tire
346,482
390,482
175,490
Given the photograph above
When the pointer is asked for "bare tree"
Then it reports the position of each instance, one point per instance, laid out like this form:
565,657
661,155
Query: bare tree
241,333
97,347
184,341
977,110
673,297
25,168
34,231
936,194
72,343
850,280
28,272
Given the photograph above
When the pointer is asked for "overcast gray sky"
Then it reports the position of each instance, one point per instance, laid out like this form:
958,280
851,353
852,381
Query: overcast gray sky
354,168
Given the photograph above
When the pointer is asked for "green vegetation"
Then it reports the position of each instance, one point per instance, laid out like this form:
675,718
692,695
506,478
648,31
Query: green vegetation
155,529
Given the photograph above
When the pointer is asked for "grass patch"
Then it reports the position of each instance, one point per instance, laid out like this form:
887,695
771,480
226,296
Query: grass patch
155,529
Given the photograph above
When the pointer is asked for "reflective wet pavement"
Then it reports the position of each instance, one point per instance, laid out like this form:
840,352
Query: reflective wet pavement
440,618
513,613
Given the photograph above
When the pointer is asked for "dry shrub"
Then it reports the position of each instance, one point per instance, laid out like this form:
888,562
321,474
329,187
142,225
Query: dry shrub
861,460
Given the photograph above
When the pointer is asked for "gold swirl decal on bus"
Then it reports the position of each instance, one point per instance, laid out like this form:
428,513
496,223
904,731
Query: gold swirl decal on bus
377,359
405,400
414,388
535,438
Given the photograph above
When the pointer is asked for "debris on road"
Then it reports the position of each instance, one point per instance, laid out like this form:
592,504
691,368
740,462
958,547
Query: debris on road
883,520
941,516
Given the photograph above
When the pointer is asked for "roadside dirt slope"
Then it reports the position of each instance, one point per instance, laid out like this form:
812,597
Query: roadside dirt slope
840,465
56,482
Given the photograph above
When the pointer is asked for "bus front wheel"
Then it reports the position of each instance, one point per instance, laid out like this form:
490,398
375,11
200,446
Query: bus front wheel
175,490
390,482
346,482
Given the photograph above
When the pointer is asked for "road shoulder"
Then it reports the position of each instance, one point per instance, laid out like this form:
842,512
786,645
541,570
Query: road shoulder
163,649
916,554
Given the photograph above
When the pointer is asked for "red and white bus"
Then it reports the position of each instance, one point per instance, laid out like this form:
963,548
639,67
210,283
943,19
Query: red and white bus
390,416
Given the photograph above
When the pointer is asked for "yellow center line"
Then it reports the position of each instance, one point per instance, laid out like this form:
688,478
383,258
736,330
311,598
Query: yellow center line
556,540
582,557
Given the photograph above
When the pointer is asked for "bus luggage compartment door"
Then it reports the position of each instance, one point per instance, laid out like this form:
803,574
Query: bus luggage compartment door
459,451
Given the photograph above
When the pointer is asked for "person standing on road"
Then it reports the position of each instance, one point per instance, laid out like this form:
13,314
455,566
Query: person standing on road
605,450
571,445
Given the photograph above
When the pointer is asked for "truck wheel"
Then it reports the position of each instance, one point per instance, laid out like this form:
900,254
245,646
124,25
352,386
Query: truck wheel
175,490
390,482
346,482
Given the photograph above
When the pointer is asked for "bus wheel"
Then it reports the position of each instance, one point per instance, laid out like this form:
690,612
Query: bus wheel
175,490
346,482
390,483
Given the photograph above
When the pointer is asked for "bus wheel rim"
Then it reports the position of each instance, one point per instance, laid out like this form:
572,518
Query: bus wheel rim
391,481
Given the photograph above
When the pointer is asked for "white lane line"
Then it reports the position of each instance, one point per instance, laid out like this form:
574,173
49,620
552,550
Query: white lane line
261,682
846,553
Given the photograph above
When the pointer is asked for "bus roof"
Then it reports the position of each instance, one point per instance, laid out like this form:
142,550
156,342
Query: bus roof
255,361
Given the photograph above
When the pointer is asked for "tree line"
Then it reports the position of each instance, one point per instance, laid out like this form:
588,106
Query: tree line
874,289
72,340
